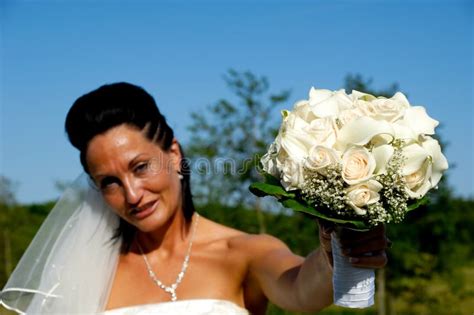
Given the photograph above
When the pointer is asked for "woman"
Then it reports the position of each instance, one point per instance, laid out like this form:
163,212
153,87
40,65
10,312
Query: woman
135,242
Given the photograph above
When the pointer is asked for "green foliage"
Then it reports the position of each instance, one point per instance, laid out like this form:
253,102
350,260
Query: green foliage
418,203
265,189
229,137
7,191
432,258
18,225
271,187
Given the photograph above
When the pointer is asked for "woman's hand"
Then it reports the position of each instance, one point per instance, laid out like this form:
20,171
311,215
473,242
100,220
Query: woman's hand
364,249
325,230
305,284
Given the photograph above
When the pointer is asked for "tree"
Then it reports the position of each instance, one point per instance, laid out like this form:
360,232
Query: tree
7,201
7,191
229,138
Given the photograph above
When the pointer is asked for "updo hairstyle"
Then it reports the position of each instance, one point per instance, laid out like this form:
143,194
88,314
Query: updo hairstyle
116,104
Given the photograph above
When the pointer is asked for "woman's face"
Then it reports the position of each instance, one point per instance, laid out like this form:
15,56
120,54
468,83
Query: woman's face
136,177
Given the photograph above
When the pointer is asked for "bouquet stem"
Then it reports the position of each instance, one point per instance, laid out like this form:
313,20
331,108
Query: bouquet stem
353,287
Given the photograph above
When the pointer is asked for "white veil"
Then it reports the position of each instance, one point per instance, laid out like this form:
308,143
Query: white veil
70,264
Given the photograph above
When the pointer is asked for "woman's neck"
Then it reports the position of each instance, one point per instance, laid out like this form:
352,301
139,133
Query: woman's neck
171,237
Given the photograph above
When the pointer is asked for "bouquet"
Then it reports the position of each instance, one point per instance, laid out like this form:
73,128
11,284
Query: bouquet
358,160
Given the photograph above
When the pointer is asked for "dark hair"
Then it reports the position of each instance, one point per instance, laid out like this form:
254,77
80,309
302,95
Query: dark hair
115,104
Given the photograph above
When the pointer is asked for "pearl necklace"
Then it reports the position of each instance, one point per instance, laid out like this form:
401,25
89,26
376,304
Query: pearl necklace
172,288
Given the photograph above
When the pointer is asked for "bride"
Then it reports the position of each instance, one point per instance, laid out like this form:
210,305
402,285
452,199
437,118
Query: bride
126,239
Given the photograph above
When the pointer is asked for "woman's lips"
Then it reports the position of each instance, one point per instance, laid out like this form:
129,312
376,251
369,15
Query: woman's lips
144,211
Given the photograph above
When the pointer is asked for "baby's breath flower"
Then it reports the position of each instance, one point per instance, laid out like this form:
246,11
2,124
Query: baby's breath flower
394,195
329,191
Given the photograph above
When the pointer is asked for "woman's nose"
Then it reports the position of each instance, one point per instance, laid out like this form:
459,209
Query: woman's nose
133,191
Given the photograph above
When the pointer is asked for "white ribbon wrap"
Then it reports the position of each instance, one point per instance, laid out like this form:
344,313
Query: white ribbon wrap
353,287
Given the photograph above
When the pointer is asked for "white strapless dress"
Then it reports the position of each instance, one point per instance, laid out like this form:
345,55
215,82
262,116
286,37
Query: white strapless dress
182,307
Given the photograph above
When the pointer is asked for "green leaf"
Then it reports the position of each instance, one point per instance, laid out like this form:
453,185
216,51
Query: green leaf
368,98
301,207
270,179
418,203
272,187
264,189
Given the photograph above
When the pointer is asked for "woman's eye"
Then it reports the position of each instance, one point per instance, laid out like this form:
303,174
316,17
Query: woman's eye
108,183
141,168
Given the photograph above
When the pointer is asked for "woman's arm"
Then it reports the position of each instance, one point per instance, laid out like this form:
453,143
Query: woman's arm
305,284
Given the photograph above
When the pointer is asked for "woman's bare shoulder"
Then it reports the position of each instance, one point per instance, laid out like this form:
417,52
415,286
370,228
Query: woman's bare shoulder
237,239
213,231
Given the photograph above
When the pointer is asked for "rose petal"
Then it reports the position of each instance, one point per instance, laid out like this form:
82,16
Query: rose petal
292,175
358,165
329,108
296,144
363,194
327,103
320,157
421,190
400,97
357,209
318,95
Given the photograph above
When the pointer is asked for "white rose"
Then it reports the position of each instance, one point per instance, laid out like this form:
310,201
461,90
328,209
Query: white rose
323,130
423,167
363,194
303,110
292,176
416,170
321,157
292,121
381,108
293,137
296,144
326,103
348,115
358,165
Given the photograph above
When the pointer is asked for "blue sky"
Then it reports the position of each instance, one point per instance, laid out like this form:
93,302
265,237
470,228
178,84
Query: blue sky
54,51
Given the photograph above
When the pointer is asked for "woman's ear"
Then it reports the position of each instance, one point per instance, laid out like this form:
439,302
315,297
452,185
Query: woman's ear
175,155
